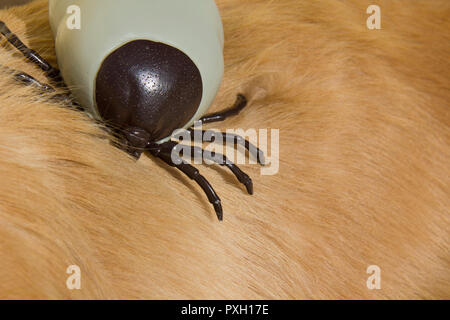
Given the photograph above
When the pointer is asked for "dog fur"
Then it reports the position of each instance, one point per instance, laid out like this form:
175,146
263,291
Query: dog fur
364,169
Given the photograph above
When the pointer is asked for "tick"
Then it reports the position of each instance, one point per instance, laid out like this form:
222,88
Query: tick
145,68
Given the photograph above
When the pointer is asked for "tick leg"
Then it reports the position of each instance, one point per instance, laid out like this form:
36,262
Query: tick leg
213,136
30,54
165,154
223,161
217,158
241,103
29,80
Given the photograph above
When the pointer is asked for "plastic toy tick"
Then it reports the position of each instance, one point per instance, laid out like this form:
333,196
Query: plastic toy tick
145,68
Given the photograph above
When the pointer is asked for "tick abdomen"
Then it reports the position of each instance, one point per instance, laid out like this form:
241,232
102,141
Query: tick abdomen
107,27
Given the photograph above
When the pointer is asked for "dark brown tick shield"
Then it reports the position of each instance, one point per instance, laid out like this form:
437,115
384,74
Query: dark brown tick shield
148,85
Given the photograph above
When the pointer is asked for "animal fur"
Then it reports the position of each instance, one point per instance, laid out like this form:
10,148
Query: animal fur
364,169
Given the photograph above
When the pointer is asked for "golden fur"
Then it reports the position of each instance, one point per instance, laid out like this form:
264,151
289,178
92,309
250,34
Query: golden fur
364,169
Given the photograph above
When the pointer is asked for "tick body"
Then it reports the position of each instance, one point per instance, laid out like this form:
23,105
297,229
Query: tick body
145,68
